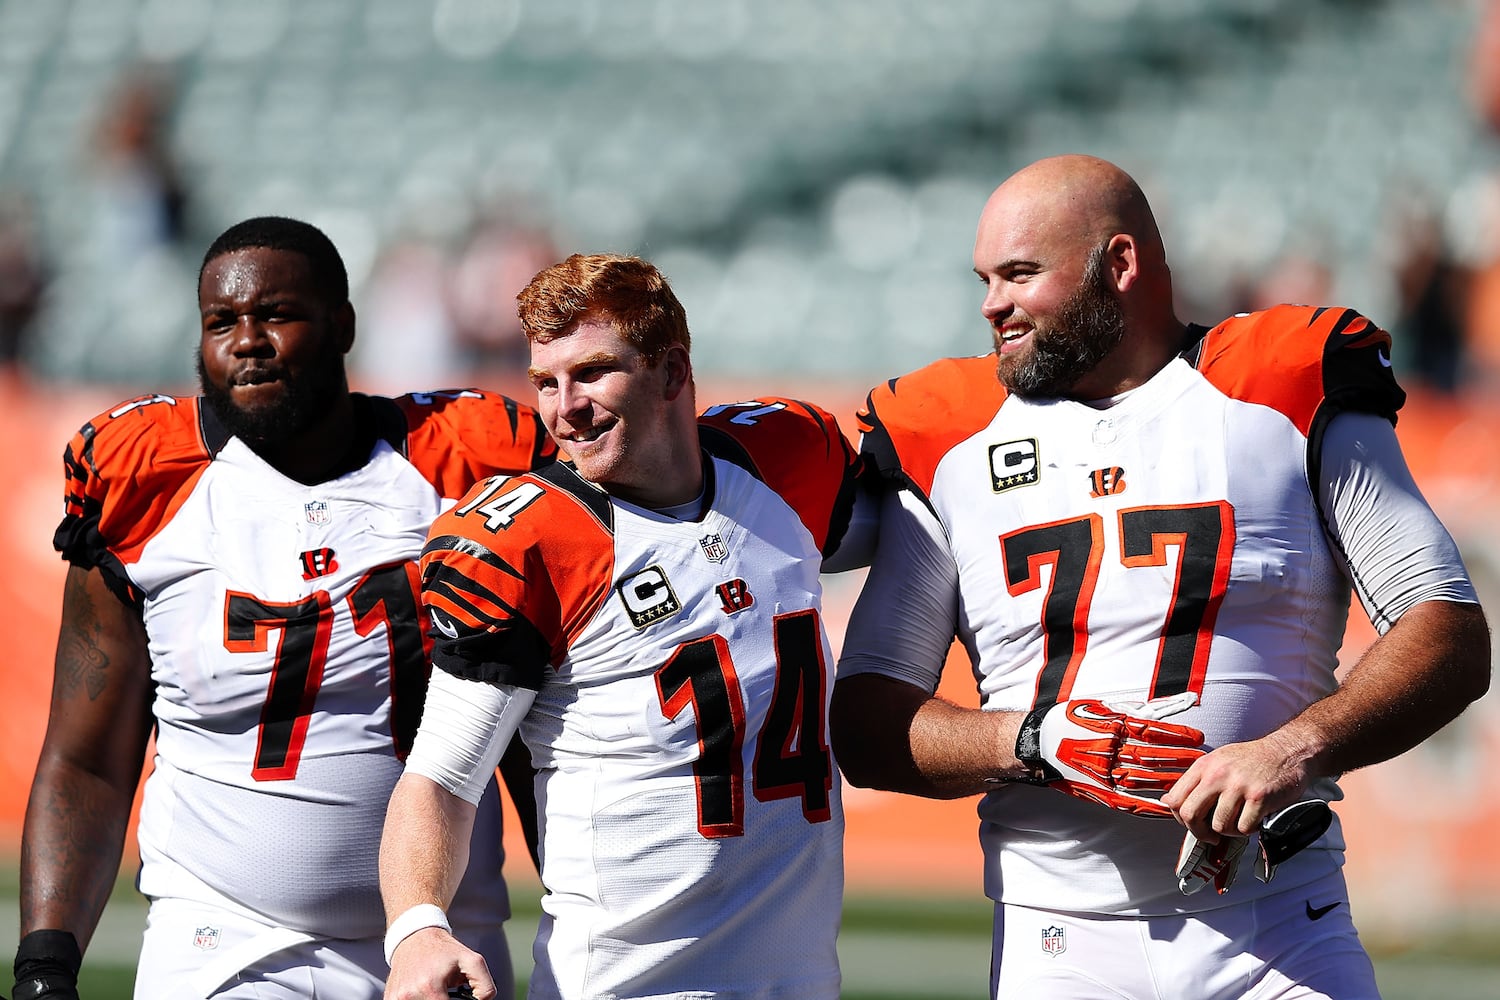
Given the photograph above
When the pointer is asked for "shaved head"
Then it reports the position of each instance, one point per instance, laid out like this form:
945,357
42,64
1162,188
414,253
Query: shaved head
1077,201
1078,291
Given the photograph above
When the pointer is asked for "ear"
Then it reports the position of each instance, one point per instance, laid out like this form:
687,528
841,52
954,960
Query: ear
1122,262
343,322
679,371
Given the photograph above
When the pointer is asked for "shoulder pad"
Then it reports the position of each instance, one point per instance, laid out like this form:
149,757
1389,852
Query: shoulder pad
797,449
456,437
908,424
1306,362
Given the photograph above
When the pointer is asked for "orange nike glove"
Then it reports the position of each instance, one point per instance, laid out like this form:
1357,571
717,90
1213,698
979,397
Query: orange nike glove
1119,754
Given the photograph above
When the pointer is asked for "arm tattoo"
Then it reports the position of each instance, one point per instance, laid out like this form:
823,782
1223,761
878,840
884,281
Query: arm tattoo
81,662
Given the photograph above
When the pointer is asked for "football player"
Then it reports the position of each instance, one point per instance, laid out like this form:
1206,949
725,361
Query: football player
243,580
648,616
1145,534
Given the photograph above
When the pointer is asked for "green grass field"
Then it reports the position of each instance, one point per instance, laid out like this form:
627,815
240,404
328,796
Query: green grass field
891,949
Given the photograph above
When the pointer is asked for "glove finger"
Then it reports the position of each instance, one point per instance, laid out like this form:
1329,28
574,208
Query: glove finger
1168,733
1116,800
1200,864
1158,758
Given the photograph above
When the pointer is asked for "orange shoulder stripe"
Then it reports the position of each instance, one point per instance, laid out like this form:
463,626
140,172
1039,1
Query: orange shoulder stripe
128,471
522,546
797,449
908,424
457,437
1298,358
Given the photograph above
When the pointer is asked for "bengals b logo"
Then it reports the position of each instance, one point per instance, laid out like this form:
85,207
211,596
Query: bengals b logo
735,596
318,562
1107,482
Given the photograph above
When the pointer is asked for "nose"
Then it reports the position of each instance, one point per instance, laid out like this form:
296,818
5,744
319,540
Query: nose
997,303
248,338
572,398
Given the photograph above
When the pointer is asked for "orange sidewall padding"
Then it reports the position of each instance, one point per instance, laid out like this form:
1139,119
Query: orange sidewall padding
1417,826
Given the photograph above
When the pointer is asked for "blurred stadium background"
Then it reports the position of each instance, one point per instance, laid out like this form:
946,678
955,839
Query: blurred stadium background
808,175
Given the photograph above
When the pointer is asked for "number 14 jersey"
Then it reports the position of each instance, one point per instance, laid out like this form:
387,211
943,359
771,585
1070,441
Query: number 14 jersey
692,828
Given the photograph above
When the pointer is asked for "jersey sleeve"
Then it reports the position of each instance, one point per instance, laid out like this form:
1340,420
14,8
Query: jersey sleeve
798,450
1370,498
457,437
1309,363
125,473
907,424
510,576
907,613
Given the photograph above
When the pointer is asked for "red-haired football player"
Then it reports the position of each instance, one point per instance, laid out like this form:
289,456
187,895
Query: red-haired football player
648,615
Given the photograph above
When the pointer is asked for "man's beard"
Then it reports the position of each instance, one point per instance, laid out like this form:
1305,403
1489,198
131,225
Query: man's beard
1087,327
305,399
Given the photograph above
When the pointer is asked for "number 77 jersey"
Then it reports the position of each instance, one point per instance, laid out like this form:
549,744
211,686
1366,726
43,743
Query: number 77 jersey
691,826
1170,542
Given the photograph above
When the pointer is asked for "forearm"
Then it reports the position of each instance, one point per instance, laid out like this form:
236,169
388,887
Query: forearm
1414,680
962,751
90,763
424,846
896,737
71,847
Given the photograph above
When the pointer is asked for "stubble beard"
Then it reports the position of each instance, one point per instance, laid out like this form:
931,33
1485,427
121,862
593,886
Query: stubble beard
305,400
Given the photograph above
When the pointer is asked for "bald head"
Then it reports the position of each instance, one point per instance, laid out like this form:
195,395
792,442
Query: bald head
1074,202
1069,250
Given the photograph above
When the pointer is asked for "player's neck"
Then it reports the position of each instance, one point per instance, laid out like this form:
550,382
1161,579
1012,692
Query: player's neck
336,443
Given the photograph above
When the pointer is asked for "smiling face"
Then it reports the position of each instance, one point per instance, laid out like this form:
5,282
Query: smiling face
1051,332
1048,298
271,355
619,418
1077,288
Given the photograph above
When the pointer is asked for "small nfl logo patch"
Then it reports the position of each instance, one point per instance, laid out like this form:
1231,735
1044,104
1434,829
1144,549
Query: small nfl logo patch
714,548
317,511
1054,940
206,938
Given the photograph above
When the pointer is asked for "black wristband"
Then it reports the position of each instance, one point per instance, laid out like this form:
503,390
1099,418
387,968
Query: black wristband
47,964
1029,749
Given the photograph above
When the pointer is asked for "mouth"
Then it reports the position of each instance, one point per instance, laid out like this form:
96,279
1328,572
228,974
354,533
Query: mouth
254,376
1011,335
585,435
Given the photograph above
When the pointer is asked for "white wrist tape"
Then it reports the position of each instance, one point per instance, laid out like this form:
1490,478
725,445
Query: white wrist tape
421,916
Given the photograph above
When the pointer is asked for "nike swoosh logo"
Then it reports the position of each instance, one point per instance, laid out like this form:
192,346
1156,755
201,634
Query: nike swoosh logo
1320,912
451,631
1385,362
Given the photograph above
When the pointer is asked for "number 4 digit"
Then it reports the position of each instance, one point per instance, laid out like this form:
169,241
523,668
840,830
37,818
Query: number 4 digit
791,756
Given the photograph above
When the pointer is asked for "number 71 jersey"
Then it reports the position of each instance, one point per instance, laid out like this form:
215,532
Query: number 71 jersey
285,632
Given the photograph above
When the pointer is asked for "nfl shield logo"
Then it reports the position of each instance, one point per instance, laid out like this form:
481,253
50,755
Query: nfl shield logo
206,938
714,548
317,511
1054,940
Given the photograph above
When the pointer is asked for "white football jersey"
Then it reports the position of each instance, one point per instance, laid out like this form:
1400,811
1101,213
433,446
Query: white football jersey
286,640
691,820
1169,542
